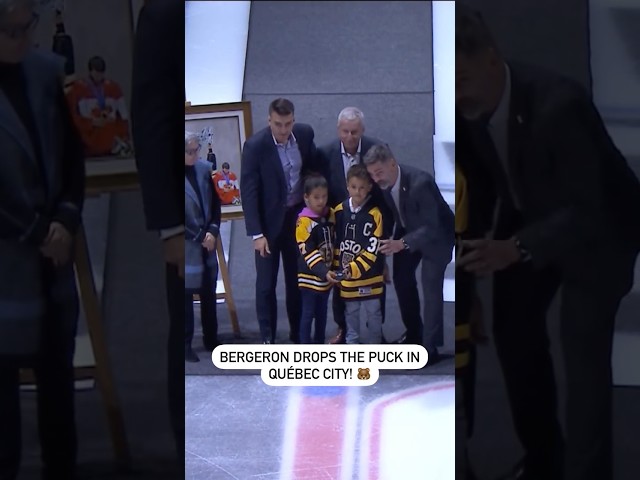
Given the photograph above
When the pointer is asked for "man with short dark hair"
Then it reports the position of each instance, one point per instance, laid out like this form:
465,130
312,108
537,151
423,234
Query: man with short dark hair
423,231
274,162
559,203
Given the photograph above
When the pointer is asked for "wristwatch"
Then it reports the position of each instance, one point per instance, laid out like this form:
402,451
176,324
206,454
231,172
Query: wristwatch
406,245
525,255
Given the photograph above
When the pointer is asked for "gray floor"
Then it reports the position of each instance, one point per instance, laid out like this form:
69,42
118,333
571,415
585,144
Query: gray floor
494,447
240,429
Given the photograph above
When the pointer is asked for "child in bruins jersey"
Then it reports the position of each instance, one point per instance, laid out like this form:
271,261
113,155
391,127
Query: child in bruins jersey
315,238
358,232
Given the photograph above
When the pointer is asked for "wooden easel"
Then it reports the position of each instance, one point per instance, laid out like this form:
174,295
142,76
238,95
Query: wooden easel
103,176
229,213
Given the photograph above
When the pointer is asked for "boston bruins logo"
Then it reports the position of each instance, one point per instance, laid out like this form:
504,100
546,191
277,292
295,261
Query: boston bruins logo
347,258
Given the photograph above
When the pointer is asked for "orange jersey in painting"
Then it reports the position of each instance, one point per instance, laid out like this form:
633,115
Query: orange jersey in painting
88,103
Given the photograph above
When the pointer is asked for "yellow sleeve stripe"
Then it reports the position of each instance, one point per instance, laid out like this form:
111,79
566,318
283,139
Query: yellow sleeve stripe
355,270
302,230
377,218
365,265
317,260
369,256
312,255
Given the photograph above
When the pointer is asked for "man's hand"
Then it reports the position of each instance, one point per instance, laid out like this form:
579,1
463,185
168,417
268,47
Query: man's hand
484,257
57,245
389,247
209,242
174,252
262,246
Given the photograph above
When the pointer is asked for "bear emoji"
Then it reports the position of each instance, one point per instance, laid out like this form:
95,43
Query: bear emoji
363,374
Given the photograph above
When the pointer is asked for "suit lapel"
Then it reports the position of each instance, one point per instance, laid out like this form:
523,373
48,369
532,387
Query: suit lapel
40,106
339,176
189,190
202,172
10,122
404,191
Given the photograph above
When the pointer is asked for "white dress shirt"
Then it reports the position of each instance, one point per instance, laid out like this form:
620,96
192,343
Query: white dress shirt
349,160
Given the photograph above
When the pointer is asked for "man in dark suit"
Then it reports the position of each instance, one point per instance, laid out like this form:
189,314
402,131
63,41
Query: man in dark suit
157,113
274,163
423,231
335,159
533,143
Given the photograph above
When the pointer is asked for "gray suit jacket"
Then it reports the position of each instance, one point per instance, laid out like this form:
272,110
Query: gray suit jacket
429,222
28,205
197,223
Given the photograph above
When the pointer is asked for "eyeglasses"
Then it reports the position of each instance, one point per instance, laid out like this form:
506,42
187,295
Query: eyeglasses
192,151
15,32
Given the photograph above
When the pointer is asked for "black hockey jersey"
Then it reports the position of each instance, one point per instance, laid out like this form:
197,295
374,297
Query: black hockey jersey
315,238
357,242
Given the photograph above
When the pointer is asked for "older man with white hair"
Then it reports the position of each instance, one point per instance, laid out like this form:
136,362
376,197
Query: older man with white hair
337,157
41,199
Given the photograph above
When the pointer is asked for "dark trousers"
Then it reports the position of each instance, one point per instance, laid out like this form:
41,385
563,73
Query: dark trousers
314,306
267,277
589,302
175,357
54,374
208,312
405,265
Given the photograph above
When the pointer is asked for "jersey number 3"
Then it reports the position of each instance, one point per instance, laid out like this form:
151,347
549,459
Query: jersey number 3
373,245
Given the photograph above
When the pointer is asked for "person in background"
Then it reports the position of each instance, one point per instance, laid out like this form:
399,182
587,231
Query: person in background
202,226
359,231
42,185
315,239
274,162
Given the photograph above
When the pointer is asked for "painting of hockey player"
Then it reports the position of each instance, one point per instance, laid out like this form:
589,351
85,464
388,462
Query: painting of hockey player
100,113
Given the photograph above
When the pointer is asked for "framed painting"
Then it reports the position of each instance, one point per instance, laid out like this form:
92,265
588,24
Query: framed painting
223,128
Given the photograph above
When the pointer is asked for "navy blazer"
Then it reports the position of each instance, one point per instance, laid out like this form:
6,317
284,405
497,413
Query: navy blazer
263,187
